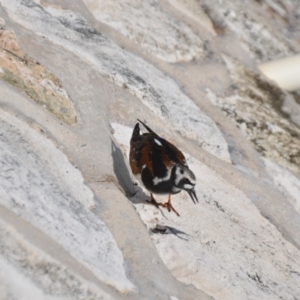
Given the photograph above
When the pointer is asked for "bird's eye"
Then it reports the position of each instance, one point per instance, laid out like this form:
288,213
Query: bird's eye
181,171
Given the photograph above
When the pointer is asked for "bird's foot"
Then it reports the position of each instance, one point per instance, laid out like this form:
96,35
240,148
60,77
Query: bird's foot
169,206
153,201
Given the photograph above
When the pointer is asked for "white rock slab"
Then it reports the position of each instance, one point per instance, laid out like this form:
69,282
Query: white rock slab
194,10
252,26
222,245
11,278
147,24
28,273
157,91
39,184
286,182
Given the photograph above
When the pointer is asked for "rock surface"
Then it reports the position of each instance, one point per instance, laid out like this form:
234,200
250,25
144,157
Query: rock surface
30,77
149,25
39,184
74,77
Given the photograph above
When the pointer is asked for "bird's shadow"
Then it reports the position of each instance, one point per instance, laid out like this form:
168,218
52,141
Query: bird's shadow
132,191
164,229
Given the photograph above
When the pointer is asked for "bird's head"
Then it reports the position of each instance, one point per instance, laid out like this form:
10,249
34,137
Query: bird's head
185,180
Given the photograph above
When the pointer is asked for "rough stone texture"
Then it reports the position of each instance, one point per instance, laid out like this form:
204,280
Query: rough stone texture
267,29
30,77
72,224
255,106
196,12
155,89
150,26
287,183
39,184
36,274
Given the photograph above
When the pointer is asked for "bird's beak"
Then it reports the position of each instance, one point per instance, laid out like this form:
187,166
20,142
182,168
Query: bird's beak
193,195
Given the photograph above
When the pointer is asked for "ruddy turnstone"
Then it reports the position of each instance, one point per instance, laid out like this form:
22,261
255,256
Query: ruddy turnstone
160,166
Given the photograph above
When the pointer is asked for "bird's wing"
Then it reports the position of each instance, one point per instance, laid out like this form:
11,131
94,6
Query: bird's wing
158,155
151,151
172,153
175,154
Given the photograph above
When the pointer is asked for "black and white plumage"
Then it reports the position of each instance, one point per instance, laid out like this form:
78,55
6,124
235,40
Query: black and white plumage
160,166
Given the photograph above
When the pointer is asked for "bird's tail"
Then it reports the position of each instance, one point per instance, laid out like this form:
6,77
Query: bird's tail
149,129
135,133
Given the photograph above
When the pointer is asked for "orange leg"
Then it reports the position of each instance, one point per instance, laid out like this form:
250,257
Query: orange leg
153,201
168,204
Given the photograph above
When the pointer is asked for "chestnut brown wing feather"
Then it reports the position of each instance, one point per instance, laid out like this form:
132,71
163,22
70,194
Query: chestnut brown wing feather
145,152
170,150
173,153
141,154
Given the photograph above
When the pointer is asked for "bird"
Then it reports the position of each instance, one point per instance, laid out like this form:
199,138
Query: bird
160,166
